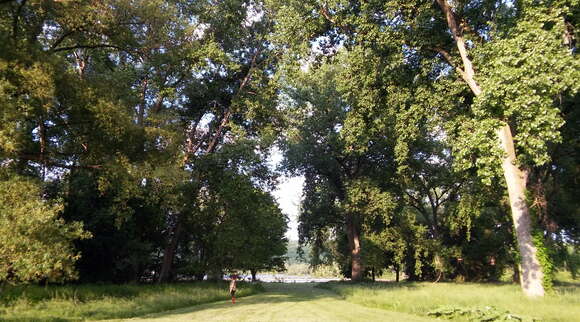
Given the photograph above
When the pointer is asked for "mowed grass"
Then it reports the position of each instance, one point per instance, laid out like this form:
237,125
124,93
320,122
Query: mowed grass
97,302
563,304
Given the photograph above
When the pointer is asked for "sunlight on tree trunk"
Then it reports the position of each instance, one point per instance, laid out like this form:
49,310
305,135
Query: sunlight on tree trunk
531,274
355,246
531,270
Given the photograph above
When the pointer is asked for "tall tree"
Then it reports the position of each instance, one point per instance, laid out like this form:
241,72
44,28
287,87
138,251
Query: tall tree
485,44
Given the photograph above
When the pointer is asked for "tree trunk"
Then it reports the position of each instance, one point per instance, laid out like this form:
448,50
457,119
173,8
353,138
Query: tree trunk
353,235
253,272
169,252
531,270
516,277
373,273
397,270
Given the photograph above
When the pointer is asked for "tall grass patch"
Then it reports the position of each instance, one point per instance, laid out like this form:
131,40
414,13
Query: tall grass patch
421,298
96,302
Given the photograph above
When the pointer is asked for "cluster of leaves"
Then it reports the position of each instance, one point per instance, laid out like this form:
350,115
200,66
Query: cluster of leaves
36,244
484,314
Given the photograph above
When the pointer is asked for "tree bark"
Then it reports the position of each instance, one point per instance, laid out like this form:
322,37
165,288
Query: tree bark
353,235
531,270
516,277
143,105
169,252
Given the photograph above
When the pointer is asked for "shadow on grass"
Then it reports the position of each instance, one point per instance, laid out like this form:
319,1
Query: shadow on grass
378,285
276,293
91,302
567,284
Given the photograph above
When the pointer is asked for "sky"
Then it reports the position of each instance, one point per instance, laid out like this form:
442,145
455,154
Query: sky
288,193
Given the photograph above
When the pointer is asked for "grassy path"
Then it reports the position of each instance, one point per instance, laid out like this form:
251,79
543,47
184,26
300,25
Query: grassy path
283,302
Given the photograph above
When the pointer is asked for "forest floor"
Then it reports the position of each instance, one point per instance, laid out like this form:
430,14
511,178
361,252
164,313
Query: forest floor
284,302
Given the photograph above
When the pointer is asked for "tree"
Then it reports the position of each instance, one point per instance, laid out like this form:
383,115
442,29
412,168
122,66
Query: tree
341,189
117,105
487,38
36,244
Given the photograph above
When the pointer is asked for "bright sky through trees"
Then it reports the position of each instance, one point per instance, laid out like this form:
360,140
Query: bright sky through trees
288,193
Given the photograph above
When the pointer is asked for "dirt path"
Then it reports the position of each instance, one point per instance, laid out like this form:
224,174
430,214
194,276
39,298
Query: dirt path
283,302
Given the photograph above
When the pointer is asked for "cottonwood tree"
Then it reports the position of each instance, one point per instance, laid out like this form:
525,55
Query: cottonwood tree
510,114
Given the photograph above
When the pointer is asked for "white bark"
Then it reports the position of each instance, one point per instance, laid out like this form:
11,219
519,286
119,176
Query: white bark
531,274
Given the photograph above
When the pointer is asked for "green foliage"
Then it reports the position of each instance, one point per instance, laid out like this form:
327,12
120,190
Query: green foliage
150,124
394,93
487,313
119,107
545,259
36,244
523,82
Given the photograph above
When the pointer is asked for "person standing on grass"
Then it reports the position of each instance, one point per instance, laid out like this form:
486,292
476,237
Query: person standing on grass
233,288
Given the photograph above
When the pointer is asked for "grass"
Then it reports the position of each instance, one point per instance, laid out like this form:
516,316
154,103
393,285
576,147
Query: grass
563,304
96,302
284,302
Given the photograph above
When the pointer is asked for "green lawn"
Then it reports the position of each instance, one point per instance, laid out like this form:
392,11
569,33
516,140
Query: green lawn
421,298
300,302
335,301
95,302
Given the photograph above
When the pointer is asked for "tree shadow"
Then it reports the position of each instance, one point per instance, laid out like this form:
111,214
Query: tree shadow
275,293
370,285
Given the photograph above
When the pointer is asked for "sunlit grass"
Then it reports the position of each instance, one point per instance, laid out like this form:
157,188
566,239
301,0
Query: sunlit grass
94,302
563,304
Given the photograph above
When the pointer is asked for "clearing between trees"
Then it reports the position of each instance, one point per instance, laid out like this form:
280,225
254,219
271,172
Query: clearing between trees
337,301
284,302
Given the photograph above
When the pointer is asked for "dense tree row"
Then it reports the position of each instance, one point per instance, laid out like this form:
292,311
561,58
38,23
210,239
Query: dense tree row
133,140
436,138
422,126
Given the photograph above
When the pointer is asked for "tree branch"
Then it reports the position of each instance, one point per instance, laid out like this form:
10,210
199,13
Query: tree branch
52,163
468,72
61,39
88,47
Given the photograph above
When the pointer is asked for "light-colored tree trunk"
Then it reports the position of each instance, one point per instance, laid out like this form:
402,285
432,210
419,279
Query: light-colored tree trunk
531,274
531,270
